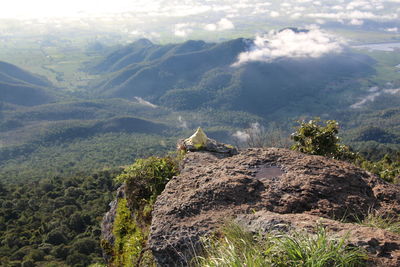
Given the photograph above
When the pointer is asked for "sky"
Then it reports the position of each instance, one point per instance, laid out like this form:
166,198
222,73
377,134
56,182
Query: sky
25,9
326,9
184,18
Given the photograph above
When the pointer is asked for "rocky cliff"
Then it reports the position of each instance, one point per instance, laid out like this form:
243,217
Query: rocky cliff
264,189
270,189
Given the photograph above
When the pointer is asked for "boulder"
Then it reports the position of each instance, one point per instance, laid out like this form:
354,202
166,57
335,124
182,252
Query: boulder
267,188
200,142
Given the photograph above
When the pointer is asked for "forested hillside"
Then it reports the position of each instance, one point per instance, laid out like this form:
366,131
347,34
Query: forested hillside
54,222
21,87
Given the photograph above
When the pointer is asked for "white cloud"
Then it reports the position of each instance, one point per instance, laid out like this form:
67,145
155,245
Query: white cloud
135,32
215,15
222,25
225,24
210,27
394,29
264,4
144,102
356,14
375,92
337,7
357,22
295,15
260,10
185,10
359,4
313,43
182,123
299,8
180,33
244,136
241,136
182,29
274,14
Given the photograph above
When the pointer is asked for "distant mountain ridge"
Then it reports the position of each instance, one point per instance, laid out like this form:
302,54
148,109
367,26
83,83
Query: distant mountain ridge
18,75
20,87
196,74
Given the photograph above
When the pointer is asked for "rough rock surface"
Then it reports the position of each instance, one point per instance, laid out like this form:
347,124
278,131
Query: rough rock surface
263,186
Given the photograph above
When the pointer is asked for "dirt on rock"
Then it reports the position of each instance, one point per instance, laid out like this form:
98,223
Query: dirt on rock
258,186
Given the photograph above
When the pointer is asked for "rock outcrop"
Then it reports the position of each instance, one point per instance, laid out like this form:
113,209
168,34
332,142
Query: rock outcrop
200,142
266,188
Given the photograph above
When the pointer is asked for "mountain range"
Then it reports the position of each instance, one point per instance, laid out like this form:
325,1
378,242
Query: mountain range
20,87
148,95
195,75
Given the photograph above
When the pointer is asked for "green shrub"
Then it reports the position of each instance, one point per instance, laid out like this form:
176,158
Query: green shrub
18,255
14,264
386,168
78,260
35,255
146,178
85,246
28,263
60,251
77,222
315,139
56,237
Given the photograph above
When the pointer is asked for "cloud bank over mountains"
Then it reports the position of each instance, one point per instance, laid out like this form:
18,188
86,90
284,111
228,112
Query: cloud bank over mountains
184,18
291,43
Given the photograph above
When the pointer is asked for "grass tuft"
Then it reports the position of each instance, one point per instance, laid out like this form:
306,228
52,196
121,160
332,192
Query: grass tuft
238,248
375,220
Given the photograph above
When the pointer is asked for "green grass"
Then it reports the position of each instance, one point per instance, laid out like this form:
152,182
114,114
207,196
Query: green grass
238,248
391,223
